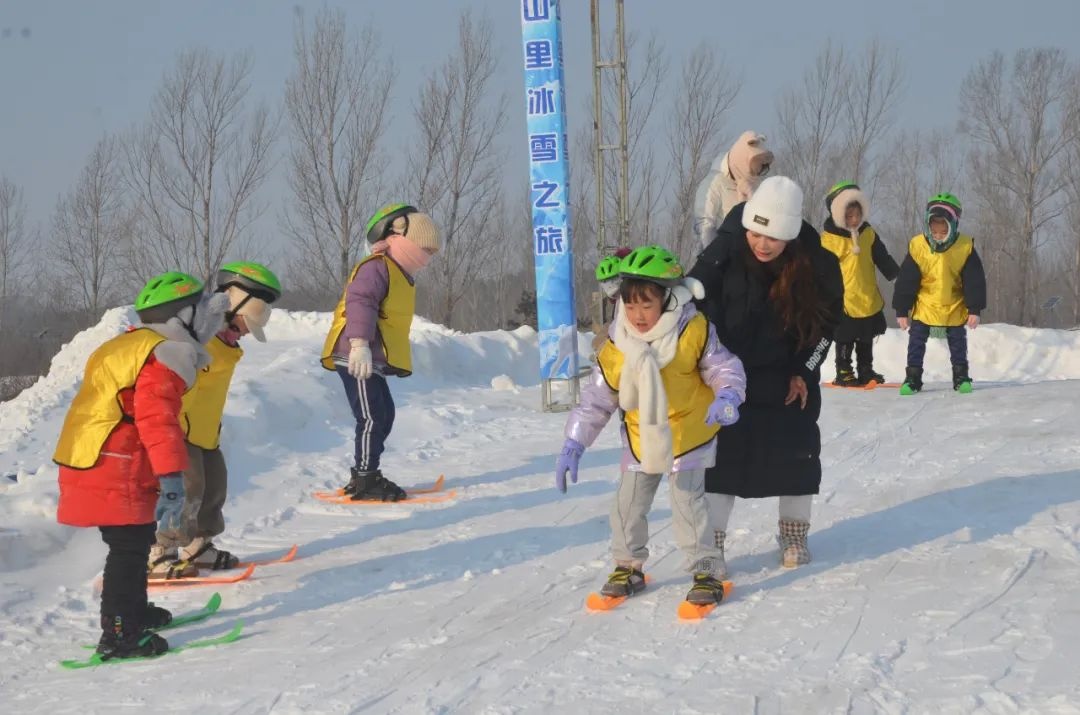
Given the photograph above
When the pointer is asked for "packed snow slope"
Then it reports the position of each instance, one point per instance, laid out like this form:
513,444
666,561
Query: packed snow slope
944,579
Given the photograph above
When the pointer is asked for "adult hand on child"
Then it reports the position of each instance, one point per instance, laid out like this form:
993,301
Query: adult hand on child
360,365
902,321
797,391
568,462
170,503
724,410
973,321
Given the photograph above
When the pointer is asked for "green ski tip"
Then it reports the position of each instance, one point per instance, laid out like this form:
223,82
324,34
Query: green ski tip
964,388
905,389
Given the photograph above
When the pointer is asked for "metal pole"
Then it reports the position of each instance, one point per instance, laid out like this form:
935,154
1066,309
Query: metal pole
624,150
598,122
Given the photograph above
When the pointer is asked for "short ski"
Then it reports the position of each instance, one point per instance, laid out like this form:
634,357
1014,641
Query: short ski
695,612
96,660
868,386
201,580
335,495
420,499
596,601
289,556
186,619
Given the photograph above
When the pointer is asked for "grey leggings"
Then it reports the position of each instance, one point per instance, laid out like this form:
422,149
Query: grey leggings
791,508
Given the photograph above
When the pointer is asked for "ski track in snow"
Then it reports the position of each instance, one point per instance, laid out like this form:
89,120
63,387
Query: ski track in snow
945,546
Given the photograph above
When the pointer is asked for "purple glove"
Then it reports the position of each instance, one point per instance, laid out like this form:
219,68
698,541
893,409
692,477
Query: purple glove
568,462
724,409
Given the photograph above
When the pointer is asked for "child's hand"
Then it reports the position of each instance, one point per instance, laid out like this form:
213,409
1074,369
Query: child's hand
797,391
902,322
723,410
360,365
170,504
973,321
568,462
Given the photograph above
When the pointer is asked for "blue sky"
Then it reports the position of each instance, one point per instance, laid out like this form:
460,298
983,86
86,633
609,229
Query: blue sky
72,70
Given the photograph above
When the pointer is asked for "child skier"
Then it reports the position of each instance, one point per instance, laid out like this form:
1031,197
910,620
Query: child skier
369,340
250,288
848,234
676,384
121,449
941,285
607,275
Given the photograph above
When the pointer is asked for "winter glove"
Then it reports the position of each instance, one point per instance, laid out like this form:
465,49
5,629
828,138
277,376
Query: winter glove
568,462
360,365
724,410
170,503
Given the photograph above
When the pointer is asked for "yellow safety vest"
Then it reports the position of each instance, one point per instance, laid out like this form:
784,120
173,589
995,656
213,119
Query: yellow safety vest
862,298
395,319
95,412
940,300
204,403
688,395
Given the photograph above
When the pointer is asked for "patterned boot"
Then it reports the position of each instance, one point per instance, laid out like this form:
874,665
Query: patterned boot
792,537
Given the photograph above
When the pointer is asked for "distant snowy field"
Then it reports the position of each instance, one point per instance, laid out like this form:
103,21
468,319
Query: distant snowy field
945,542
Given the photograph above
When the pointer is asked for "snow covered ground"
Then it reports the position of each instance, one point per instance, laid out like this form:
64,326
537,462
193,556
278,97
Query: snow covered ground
944,580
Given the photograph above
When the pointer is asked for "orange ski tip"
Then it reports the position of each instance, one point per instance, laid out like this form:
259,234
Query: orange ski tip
693,612
728,588
598,602
201,580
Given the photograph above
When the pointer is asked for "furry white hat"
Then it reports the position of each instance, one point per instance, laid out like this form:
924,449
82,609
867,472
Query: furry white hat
775,209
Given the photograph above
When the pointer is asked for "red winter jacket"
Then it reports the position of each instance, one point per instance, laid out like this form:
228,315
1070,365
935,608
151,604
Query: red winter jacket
122,486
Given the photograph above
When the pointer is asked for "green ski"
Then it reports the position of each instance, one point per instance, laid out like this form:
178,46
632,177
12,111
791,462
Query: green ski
201,614
96,660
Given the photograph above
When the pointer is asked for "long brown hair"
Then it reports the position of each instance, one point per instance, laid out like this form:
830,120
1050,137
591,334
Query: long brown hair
794,293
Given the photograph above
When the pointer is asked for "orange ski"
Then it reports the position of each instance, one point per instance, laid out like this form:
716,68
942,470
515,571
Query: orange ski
428,498
868,386
599,602
694,612
289,556
436,487
201,580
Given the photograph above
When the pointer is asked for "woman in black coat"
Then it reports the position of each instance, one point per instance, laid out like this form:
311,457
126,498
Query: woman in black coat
775,296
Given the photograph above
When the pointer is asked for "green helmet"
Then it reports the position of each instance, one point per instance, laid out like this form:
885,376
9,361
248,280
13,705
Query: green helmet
378,226
945,198
836,189
255,278
652,263
608,268
166,295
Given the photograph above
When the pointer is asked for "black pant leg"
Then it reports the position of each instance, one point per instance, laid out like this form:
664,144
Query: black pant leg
123,591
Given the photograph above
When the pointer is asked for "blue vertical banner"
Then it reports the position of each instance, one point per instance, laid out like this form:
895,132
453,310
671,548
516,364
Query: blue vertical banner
549,180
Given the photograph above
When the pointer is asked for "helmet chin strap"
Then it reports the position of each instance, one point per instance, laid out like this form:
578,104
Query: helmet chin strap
190,327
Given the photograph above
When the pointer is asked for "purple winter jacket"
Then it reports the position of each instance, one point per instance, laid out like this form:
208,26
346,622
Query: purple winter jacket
363,298
720,369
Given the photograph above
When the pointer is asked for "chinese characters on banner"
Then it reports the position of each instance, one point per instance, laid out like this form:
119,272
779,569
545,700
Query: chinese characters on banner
549,179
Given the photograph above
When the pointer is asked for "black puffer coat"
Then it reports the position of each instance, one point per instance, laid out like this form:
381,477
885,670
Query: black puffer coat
774,449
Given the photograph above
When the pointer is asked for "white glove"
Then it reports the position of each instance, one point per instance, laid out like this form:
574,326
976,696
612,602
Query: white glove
359,359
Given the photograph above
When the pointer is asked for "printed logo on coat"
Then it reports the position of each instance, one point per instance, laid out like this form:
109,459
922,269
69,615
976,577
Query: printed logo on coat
764,221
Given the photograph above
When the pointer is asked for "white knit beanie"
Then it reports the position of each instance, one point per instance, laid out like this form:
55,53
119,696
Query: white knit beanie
775,209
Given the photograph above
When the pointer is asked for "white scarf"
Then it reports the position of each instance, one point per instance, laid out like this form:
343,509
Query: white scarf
640,387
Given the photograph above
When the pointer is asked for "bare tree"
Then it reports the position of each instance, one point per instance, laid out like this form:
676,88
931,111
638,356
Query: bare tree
195,167
875,83
1072,223
705,93
1022,120
336,103
15,242
457,165
808,118
90,227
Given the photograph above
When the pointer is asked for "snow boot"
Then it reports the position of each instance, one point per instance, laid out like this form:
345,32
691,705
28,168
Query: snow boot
166,564
708,581
156,617
961,381
912,381
126,638
202,552
373,486
792,537
624,581
845,375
